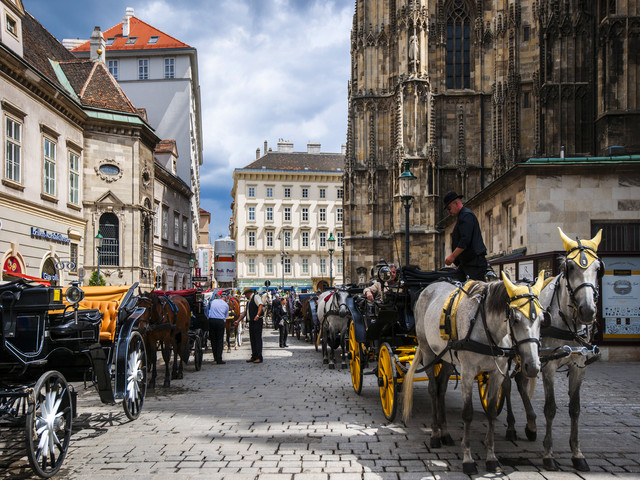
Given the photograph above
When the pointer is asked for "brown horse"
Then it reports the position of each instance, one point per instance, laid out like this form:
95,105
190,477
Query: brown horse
234,313
310,327
168,326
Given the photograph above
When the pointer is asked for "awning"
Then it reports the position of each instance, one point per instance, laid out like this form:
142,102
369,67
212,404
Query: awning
44,282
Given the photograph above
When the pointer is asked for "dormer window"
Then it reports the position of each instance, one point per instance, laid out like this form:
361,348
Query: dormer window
131,40
153,40
12,25
110,41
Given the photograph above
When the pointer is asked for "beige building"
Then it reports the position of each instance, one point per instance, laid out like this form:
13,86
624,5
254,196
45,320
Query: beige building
286,207
465,90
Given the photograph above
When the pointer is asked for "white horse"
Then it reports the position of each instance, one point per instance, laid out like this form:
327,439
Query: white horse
485,340
334,316
571,299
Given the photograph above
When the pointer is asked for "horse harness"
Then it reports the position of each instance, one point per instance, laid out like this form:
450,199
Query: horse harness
334,308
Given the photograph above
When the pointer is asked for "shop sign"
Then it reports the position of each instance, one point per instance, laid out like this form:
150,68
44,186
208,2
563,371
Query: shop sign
51,278
53,236
621,298
11,265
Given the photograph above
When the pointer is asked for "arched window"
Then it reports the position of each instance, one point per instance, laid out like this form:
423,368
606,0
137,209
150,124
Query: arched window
110,230
176,285
458,46
50,273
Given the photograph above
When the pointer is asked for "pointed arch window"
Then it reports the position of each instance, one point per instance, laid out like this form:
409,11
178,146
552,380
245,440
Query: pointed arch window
110,230
458,46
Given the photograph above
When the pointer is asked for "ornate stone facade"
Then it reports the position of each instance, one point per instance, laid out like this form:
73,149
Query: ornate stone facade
465,90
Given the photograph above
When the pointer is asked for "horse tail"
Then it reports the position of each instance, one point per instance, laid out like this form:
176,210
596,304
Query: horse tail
407,386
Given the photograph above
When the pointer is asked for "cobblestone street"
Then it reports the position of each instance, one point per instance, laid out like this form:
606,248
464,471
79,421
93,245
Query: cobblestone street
292,418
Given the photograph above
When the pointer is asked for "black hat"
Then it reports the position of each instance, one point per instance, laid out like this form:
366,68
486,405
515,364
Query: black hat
450,197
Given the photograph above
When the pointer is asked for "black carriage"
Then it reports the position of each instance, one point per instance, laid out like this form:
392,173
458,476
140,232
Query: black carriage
382,339
52,336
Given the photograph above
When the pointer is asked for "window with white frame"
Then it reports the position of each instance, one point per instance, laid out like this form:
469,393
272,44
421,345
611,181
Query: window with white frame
114,66
287,214
153,39
74,178
305,239
269,212
269,265
13,150
269,192
185,231
252,238
340,266
131,41
323,193
252,192
269,238
169,67
323,239
323,266
287,192
252,214
143,69
165,223
305,193
305,214
287,239
339,215
156,219
49,176
340,194
287,265
251,264
176,228
11,25
340,239
110,41
322,214
305,266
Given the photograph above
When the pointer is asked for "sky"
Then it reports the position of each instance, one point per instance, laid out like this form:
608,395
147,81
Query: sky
268,70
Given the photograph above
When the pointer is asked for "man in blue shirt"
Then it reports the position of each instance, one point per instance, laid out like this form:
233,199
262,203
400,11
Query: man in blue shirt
468,249
217,314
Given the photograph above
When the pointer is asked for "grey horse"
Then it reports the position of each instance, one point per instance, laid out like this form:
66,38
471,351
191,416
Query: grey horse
484,343
334,317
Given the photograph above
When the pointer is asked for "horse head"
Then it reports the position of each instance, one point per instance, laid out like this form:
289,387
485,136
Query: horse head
582,268
340,297
524,317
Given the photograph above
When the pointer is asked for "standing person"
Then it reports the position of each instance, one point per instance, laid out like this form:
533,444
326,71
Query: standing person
280,318
217,315
253,314
468,249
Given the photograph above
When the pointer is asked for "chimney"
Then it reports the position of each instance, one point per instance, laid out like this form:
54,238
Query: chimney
343,149
284,146
265,147
257,153
126,27
313,147
97,46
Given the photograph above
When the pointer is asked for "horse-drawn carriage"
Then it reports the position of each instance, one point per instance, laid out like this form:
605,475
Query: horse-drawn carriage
52,336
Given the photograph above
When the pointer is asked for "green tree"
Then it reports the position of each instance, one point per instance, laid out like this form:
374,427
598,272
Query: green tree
93,280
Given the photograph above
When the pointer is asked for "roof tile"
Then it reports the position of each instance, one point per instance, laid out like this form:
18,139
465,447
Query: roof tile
320,162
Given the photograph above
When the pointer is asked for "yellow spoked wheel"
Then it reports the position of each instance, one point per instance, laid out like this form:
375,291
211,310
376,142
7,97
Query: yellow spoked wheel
388,382
355,359
483,385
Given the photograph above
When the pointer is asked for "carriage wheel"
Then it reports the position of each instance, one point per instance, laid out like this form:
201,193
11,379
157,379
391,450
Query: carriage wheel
197,353
48,424
388,382
483,385
355,360
136,376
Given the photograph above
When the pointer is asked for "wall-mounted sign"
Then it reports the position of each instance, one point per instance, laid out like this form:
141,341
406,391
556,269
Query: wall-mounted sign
53,236
11,265
621,298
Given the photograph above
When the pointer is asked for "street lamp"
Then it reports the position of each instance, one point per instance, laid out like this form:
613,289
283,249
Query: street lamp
283,254
99,239
406,181
331,243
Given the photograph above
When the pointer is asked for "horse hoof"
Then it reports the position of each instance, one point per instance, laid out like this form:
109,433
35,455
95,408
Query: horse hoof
447,440
531,434
550,464
469,468
580,464
494,466
332,366
228,350
511,436
435,442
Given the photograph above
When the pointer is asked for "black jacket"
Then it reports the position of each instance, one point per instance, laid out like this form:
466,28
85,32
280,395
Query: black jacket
467,235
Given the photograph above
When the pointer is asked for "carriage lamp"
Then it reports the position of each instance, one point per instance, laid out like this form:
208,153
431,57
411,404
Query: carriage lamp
406,181
74,294
384,274
331,242
99,239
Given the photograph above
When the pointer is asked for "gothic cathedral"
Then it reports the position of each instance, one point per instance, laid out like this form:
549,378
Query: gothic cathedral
464,90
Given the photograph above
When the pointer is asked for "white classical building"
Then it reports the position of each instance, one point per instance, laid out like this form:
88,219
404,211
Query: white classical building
286,207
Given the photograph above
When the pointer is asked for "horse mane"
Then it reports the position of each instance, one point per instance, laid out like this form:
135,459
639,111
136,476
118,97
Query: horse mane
497,297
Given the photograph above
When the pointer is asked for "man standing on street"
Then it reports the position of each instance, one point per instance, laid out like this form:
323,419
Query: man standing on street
217,314
253,314
469,252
